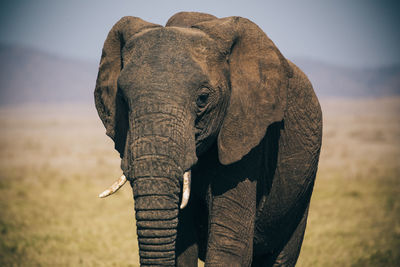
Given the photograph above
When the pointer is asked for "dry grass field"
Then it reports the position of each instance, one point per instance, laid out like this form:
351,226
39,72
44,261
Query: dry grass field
54,160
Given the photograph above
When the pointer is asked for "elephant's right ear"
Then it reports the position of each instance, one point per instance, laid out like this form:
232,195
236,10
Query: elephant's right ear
110,106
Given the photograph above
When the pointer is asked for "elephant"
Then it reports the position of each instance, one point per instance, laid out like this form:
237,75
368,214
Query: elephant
219,136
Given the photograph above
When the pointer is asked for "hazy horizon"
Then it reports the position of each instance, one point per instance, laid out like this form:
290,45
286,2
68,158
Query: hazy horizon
344,33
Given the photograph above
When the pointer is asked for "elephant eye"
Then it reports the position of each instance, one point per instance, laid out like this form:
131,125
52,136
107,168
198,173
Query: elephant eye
202,99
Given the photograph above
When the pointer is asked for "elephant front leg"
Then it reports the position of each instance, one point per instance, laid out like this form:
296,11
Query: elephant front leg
232,216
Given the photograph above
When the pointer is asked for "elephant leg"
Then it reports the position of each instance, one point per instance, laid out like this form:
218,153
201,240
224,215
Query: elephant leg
289,254
186,243
231,226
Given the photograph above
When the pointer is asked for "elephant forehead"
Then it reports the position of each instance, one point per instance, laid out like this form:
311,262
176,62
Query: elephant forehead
158,70
170,47
175,36
167,54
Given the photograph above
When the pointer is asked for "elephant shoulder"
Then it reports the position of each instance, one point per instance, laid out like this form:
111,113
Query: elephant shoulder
303,117
300,88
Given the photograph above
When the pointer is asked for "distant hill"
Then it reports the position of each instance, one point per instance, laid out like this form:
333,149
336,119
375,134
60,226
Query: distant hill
31,76
330,80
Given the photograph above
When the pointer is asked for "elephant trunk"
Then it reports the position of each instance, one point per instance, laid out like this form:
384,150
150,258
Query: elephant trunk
159,159
156,219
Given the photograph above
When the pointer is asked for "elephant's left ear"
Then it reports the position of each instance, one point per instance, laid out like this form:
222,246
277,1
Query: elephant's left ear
259,76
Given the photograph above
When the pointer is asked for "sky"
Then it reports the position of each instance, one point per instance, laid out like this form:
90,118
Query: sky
352,33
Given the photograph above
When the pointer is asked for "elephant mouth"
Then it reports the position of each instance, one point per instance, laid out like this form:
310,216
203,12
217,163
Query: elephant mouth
187,177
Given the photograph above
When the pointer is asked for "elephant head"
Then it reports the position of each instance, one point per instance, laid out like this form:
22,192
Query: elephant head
166,94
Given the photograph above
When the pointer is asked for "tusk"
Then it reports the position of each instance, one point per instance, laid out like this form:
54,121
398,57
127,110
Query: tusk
186,188
114,188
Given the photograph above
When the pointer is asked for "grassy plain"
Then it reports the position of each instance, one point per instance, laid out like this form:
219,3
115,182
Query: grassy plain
54,160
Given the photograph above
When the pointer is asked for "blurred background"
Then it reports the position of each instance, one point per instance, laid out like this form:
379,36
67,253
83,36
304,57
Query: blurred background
55,157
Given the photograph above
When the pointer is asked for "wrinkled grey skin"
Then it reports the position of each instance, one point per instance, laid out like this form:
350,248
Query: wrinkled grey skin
214,96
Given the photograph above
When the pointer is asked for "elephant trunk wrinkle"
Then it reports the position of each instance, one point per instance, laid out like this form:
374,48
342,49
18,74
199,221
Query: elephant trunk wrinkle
165,132
156,187
157,222
158,156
